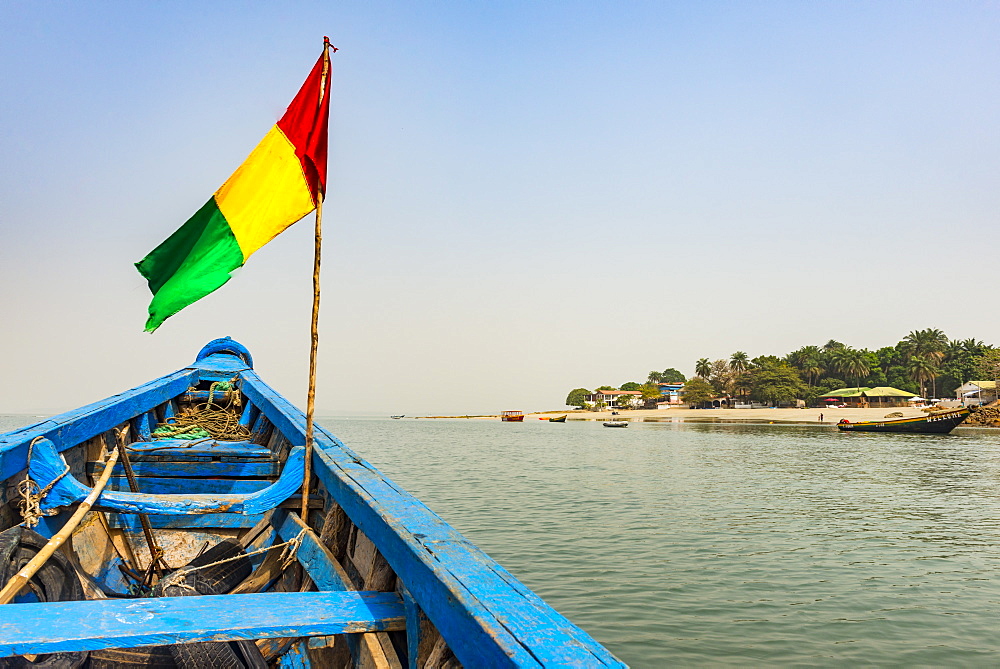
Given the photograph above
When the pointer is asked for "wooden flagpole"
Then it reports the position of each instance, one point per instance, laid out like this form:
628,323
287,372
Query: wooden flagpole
314,329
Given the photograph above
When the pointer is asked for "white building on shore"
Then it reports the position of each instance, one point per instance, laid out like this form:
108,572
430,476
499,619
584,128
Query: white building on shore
977,393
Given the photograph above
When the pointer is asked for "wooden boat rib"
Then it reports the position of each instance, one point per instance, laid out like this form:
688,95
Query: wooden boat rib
934,423
377,579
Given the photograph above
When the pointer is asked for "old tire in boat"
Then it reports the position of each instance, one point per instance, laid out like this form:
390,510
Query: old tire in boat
151,657
56,581
215,580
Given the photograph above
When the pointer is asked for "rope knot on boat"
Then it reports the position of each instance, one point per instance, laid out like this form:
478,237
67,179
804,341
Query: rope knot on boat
32,495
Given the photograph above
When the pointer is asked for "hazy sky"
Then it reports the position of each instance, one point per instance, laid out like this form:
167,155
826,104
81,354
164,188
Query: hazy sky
524,197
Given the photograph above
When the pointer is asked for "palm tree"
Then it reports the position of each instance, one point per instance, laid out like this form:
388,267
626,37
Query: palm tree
654,377
812,363
929,344
855,363
851,362
921,370
808,360
739,362
703,368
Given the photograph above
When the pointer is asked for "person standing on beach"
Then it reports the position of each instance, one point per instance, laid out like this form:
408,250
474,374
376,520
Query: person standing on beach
821,418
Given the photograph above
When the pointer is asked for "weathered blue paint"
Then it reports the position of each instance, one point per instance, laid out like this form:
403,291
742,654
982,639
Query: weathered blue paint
413,615
89,625
186,449
312,555
179,486
74,427
296,657
186,469
144,424
487,616
205,520
250,413
47,464
225,345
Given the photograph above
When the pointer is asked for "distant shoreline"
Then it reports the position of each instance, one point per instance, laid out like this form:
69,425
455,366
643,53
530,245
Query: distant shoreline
683,414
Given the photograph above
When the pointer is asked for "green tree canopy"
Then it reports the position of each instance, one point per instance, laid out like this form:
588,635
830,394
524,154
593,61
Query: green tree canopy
671,375
577,397
988,365
703,368
650,391
631,385
775,382
739,362
698,390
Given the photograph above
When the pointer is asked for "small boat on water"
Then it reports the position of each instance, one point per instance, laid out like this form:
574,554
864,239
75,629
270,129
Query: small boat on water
512,416
941,422
616,423
558,419
398,417
186,545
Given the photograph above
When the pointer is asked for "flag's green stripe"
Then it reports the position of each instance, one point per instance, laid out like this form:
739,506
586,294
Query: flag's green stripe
190,264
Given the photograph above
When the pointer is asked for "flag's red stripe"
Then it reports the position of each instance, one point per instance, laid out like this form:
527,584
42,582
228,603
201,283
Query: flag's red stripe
305,124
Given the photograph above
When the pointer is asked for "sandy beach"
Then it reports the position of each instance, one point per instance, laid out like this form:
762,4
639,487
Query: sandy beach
831,416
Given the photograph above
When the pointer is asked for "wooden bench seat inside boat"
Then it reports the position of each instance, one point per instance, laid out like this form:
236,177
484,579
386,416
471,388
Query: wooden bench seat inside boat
186,450
117,623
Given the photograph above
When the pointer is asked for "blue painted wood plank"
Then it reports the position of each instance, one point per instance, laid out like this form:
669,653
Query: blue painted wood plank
89,625
73,427
484,613
313,556
179,486
184,449
487,616
205,520
143,426
413,614
296,657
47,465
187,469
250,413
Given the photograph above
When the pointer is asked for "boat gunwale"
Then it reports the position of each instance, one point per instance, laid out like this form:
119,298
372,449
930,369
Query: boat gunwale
485,614
434,563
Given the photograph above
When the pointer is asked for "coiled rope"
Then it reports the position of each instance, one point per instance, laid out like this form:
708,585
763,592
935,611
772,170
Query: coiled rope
208,420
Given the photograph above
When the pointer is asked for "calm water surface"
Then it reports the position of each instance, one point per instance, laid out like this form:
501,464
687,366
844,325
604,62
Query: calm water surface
726,544
700,544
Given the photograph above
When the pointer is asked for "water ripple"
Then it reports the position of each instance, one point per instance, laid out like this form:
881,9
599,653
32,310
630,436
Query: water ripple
723,544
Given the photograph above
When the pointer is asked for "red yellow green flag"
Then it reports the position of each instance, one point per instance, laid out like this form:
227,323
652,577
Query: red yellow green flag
279,183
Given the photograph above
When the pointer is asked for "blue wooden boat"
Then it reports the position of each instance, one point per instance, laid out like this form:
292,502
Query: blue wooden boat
196,554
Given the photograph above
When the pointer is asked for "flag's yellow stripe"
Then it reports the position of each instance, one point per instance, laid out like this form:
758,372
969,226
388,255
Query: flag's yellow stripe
266,194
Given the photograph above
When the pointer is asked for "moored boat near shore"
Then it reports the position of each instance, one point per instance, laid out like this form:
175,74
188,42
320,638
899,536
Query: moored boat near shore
616,423
941,422
512,416
198,546
558,419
